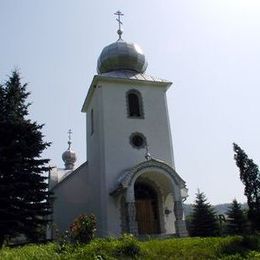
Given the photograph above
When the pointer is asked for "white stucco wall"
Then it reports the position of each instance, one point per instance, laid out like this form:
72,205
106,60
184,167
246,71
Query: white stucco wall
108,148
119,154
79,193
71,198
95,157
109,153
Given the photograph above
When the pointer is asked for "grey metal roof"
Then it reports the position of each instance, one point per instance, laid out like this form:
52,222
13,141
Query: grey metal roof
127,74
123,75
121,55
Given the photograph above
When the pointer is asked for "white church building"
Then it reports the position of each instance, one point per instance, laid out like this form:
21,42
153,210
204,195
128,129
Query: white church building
128,181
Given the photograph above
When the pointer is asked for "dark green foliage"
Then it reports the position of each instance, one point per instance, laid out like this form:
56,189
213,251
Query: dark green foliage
188,220
250,177
128,246
236,219
203,219
23,188
220,209
251,242
187,248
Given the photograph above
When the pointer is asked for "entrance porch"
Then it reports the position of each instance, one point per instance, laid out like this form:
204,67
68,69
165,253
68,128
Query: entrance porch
151,195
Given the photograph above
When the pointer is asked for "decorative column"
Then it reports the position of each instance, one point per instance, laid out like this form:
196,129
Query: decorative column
180,225
131,210
133,229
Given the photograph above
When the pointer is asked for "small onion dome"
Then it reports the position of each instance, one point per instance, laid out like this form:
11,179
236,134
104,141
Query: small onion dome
69,157
121,55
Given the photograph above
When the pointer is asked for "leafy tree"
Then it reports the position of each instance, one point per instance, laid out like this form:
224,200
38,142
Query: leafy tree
204,221
250,177
24,205
236,219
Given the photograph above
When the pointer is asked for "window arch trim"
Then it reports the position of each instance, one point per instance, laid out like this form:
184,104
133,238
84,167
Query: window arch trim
130,111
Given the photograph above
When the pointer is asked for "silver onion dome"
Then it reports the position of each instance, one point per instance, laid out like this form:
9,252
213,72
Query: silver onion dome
69,156
121,55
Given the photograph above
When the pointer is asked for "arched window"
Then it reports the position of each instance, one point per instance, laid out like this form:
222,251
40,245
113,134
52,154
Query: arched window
134,104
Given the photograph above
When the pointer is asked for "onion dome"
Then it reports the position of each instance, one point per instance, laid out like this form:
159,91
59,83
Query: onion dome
69,156
121,55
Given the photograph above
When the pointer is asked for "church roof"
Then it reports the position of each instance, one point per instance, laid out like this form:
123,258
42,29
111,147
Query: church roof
58,176
122,60
127,74
121,55
123,75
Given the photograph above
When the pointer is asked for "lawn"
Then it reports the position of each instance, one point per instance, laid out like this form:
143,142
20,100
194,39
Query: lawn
127,247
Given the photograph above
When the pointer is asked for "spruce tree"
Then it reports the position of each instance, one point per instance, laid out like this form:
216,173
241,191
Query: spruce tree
236,219
24,198
204,221
250,177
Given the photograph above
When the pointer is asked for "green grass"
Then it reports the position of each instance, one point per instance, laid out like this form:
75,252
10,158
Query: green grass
127,247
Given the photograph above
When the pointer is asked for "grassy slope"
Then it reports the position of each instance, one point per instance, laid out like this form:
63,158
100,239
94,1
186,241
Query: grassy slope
129,248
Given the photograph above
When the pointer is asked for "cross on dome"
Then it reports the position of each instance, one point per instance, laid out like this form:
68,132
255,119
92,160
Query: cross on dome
69,156
119,31
121,55
147,153
69,135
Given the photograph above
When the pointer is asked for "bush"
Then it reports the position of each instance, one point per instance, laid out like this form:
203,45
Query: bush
232,245
83,229
128,246
251,242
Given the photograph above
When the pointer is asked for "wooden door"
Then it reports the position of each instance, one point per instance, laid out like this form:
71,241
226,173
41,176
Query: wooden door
145,217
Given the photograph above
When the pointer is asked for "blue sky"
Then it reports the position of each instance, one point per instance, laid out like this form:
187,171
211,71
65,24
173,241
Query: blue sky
209,49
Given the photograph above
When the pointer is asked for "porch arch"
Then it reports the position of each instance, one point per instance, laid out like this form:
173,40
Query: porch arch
167,182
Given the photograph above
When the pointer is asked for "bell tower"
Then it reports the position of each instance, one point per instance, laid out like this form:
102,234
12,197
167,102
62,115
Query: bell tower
126,114
126,109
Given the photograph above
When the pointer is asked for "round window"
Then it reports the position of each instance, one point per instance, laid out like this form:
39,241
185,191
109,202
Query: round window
137,140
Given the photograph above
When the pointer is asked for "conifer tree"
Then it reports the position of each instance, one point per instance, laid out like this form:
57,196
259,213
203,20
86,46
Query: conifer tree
23,188
236,219
204,221
250,177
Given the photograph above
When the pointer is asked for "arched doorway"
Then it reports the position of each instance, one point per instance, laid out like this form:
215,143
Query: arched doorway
147,213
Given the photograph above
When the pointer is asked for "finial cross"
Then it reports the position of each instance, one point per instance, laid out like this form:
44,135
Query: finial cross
69,135
119,14
147,153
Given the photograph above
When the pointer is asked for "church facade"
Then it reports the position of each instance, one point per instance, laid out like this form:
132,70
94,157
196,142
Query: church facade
129,180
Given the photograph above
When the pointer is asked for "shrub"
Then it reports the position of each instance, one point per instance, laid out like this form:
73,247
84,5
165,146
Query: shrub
83,228
251,242
63,242
128,246
232,245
